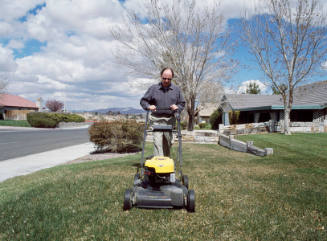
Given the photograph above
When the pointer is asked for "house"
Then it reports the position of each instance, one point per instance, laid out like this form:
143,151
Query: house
205,112
309,105
14,107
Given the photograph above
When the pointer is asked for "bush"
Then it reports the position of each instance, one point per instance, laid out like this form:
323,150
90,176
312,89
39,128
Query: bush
215,119
183,125
117,136
43,120
204,125
51,120
234,117
196,127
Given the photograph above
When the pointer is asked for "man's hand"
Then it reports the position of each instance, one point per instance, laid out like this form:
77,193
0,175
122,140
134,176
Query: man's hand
152,108
174,107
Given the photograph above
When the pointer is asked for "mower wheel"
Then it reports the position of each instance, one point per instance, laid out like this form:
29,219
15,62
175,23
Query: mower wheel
185,181
127,200
136,177
191,201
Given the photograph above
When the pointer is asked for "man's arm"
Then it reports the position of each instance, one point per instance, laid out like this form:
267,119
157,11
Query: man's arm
180,104
145,101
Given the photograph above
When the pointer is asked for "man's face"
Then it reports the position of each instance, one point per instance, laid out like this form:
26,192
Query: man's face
166,77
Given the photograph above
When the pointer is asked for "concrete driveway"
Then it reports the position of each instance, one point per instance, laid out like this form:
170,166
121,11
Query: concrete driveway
30,163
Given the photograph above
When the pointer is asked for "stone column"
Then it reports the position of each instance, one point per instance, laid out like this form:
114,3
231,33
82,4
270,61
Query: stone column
281,115
256,117
226,119
273,121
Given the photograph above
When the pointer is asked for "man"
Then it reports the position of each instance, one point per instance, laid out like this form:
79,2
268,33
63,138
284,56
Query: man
164,95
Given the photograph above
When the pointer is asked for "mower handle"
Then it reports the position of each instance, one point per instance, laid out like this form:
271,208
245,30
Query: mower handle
167,110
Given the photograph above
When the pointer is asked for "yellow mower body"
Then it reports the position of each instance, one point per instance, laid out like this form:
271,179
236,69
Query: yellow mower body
161,164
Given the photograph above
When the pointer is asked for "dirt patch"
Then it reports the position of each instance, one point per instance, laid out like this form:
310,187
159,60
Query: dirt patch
98,157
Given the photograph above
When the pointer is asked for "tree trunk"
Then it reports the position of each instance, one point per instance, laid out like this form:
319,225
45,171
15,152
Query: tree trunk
190,124
287,130
191,114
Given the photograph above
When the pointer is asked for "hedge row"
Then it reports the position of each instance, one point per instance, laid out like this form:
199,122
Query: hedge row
51,120
117,136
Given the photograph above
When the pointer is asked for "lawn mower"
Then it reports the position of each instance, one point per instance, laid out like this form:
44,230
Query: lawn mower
156,184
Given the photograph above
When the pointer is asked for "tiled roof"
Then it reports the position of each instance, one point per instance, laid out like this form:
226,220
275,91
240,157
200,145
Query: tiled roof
307,95
311,94
16,101
245,101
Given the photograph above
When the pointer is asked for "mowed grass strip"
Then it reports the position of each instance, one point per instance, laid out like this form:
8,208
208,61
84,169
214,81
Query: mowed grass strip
238,197
19,123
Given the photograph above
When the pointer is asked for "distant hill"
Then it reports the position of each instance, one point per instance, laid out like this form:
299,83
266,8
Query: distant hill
126,110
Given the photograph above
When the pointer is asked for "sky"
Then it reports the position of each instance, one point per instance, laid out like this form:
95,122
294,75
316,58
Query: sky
63,50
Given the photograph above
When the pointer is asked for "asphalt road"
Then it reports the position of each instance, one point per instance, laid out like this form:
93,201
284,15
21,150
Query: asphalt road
21,142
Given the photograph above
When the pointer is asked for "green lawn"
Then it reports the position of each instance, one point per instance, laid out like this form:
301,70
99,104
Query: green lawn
238,197
21,123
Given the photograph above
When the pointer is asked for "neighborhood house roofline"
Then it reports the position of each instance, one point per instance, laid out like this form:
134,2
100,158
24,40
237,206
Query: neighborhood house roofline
7,100
281,107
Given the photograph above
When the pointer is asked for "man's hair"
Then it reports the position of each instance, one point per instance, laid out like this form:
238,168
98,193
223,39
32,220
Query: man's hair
164,69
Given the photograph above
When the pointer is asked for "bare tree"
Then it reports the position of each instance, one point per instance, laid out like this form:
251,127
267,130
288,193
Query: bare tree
210,92
54,105
3,85
289,44
183,36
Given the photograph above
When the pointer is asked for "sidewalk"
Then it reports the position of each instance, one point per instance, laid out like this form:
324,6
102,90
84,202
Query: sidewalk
62,127
32,163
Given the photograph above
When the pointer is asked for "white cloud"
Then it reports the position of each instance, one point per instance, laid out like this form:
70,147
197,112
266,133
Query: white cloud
13,9
324,65
7,63
76,63
244,85
229,91
15,44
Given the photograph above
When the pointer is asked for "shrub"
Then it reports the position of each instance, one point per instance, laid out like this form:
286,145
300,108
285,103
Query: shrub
215,119
51,120
117,136
204,125
66,117
234,117
183,125
196,127
43,120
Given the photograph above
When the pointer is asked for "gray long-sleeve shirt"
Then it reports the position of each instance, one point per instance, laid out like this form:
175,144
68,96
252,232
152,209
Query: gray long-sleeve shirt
163,97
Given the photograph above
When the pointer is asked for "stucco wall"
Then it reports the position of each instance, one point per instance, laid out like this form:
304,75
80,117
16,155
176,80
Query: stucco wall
16,114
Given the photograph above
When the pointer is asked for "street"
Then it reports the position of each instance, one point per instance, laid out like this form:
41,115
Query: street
18,142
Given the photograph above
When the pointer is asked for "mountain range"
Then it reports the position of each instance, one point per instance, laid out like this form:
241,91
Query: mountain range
125,110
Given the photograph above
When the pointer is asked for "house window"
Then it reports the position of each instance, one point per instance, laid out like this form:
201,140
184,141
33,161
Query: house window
264,116
246,117
301,115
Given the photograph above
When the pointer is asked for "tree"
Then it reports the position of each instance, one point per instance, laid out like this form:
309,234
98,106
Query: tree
54,105
281,87
210,92
184,36
253,88
215,119
289,45
3,85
